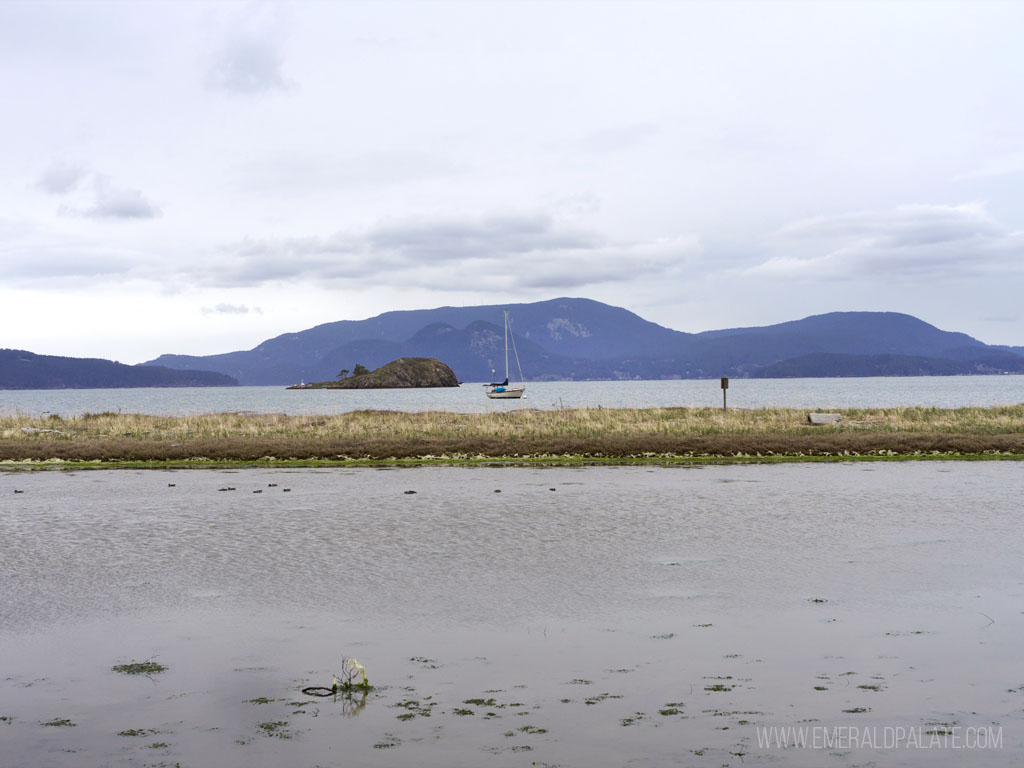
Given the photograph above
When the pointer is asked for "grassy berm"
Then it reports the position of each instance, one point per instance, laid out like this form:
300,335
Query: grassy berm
592,434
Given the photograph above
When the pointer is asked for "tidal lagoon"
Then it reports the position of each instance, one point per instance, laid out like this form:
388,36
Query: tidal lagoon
598,616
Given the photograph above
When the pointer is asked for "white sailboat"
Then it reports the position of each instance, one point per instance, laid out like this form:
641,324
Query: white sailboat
503,390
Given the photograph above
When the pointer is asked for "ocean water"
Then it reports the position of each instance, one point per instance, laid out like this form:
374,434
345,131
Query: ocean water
601,616
820,394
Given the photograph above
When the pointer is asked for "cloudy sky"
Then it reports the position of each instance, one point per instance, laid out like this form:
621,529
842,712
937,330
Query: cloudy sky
194,177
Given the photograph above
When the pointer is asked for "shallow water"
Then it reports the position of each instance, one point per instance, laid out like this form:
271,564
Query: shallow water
640,616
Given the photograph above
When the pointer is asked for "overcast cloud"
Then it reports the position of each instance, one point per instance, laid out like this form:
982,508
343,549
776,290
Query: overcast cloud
923,242
249,59
499,253
231,309
112,202
201,176
307,175
60,178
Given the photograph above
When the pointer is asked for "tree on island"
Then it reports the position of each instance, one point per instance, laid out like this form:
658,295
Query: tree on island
343,373
359,370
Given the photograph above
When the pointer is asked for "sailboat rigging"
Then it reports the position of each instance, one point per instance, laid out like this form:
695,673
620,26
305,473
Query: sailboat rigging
502,389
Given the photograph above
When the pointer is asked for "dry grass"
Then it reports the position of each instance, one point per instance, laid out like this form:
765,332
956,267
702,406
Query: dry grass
592,431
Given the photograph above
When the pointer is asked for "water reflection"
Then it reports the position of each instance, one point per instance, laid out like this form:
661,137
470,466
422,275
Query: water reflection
352,703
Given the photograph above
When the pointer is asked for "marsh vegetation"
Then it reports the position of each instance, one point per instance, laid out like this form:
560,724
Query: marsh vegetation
588,433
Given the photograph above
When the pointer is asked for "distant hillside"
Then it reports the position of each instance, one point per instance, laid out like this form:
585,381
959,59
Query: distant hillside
824,364
25,370
559,339
578,339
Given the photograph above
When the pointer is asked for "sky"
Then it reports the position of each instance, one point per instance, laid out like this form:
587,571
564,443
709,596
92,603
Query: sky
196,177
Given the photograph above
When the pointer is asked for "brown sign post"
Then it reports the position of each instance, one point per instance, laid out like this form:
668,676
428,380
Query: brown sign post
725,386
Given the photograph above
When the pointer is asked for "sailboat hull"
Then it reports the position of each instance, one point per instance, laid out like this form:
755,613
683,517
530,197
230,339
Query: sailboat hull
506,392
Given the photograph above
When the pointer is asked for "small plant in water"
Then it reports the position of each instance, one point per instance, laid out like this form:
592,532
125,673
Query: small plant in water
352,676
481,702
600,697
137,732
275,728
389,741
147,668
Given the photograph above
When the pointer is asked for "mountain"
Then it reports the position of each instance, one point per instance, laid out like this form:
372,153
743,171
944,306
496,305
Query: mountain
746,351
563,336
25,370
579,339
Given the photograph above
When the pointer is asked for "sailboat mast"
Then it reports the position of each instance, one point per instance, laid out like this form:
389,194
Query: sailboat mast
506,345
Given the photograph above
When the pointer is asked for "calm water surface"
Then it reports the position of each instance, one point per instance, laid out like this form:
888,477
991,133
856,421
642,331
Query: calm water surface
939,391
589,617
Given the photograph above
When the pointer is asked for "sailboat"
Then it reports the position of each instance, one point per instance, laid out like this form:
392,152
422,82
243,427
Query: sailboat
502,389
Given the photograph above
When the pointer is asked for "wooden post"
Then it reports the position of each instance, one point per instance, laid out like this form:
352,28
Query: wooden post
725,386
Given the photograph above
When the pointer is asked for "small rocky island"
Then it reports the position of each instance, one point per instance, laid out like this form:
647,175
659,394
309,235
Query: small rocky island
402,373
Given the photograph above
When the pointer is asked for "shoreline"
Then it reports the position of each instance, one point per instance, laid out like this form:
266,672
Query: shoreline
671,436
32,465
